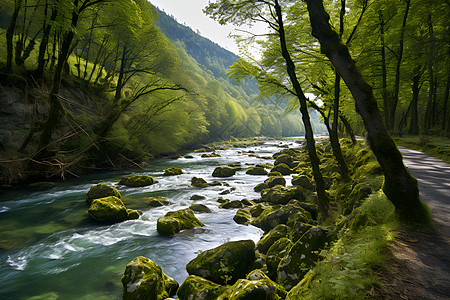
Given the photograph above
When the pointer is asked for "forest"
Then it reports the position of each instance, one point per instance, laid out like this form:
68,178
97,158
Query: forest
88,85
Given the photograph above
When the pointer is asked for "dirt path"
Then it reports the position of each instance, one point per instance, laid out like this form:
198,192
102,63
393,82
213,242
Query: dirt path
420,263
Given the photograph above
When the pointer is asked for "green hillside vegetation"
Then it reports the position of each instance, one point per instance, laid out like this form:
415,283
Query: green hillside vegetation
104,87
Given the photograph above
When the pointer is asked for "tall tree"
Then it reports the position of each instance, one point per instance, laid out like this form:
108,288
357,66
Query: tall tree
399,186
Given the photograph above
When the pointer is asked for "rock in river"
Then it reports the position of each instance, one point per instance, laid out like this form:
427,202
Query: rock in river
224,264
111,210
224,172
137,180
101,191
175,221
198,288
172,172
143,279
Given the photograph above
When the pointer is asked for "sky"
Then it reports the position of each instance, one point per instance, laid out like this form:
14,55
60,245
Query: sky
189,12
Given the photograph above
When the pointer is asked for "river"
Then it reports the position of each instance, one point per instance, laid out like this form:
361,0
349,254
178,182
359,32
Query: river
50,249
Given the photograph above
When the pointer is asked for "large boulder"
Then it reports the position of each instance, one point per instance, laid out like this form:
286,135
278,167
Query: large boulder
256,171
279,214
243,216
224,172
200,208
175,221
172,172
110,210
256,287
201,183
280,231
279,194
198,288
137,180
143,279
101,191
282,168
302,256
275,180
224,264
304,182
284,159
275,254
231,204
261,186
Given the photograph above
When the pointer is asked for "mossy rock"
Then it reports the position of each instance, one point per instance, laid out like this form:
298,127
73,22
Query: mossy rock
259,187
199,182
224,172
208,155
201,208
302,256
197,197
243,216
143,279
284,159
276,253
222,200
188,156
282,168
279,194
101,191
280,231
276,215
245,289
173,172
304,182
137,180
256,171
274,173
108,209
198,288
247,203
257,210
175,221
224,264
157,201
133,214
232,204
275,180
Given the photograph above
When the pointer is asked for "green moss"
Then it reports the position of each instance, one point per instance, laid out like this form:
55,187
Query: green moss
172,172
224,172
280,231
101,191
243,216
195,287
256,171
254,290
175,221
282,168
108,209
137,180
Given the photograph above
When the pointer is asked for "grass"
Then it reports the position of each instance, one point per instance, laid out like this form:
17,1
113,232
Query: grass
349,268
438,147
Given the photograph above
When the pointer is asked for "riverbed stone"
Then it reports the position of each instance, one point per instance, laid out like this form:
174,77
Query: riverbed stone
224,171
256,171
175,221
277,214
232,204
302,256
197,197
243,216
137,180
276,253
201,208
280,231
261,186
109,210
304,182
143,279
284,159
224,264
279,194
199,182
101,191
198,288
282,168
173,171
275,180
208,155
274,173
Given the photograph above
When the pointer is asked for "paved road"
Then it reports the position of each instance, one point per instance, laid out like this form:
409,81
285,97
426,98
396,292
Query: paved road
434,183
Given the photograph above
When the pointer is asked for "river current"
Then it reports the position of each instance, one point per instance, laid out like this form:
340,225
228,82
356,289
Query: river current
50,249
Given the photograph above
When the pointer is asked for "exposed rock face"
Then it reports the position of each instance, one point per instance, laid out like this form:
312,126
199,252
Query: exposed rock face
101,191
198,288
111,210
172,172
175,221
137,180
224,172
256,171
143,279
224,264
301,257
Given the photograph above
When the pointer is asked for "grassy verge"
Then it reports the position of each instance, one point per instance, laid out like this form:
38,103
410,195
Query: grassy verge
438,147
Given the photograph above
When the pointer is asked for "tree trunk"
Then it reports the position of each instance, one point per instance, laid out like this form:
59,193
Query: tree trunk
428,111
445,107
393,106
322,196
414,124
384,73
10,35
348,128
399,186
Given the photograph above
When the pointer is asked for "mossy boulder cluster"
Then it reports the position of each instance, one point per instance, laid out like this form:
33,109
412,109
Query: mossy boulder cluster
105,205
175,221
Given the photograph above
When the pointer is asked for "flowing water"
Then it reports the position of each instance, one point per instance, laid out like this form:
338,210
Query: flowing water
50,249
